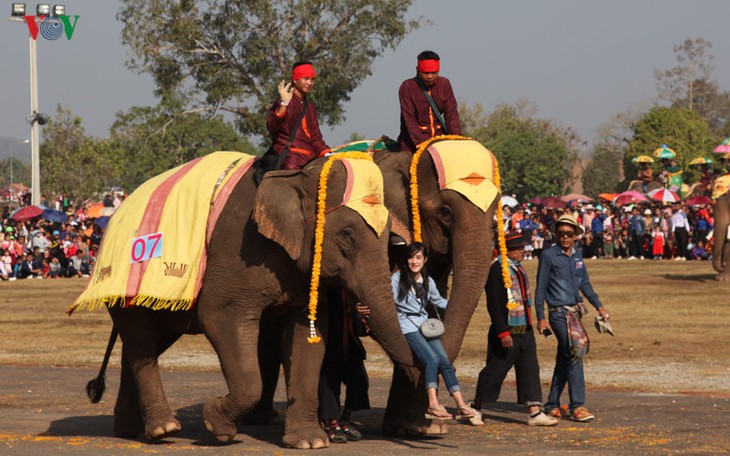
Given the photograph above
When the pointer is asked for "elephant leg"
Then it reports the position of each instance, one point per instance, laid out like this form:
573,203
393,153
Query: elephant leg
407,402
269,349
234,339
302,364
141,403
128,417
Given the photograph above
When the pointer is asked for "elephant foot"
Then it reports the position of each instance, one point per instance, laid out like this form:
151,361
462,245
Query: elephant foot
427,428
306,437
723,276
162,428
218,423
261,416
128,428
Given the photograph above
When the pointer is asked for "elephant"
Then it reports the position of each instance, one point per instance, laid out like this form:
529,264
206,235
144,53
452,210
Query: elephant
638,186
259,263
721,252
460,240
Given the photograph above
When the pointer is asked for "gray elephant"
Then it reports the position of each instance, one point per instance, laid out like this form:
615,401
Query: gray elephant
259,265
721,252
458,232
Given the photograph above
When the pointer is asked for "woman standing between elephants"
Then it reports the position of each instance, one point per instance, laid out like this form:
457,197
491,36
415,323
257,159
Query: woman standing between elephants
413,289
292,120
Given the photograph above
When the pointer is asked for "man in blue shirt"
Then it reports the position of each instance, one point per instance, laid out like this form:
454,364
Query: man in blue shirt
561,275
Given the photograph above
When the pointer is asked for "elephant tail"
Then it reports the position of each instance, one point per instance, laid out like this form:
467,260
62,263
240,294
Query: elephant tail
95,388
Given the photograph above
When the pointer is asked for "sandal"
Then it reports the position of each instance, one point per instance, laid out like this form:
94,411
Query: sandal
465,412
437,412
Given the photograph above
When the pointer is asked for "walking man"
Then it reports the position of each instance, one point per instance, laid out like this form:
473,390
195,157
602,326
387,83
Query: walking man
511,339
561,276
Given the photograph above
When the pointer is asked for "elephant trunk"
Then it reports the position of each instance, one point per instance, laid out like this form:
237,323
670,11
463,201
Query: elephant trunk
472,246
376,293
721,252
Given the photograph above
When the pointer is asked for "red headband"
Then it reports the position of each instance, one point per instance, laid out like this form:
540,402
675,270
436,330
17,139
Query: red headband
305,70
428,66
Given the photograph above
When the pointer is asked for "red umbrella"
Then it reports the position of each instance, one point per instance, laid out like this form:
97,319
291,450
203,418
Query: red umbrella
576,197
699,200
629,197
664,195
553,202
26,213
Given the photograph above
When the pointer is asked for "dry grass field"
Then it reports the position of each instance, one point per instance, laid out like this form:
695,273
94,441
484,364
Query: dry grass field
671,321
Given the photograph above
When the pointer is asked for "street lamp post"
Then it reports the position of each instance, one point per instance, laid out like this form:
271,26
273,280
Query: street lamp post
35,119
12,156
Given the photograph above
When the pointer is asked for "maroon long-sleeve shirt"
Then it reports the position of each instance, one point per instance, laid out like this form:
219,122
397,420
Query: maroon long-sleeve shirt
417,120
307,144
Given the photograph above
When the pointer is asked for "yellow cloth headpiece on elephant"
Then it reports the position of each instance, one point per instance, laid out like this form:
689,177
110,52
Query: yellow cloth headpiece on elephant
154,250
722,186
466,167
364,193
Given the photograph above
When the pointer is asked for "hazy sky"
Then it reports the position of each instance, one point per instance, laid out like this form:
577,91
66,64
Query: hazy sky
579,61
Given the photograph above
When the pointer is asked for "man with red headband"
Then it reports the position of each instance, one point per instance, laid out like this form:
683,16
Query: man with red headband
292,120
427,104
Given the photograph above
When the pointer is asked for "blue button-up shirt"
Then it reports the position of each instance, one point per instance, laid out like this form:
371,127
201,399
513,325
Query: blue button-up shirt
560,277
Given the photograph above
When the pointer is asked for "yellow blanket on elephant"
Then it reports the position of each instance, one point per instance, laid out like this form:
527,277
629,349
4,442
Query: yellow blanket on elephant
722,186
154,250
467,167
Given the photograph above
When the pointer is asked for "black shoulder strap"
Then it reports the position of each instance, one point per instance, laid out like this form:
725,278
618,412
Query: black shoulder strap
436,111
282,156
270,160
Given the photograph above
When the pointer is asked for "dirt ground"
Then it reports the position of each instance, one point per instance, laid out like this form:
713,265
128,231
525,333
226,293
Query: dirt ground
661,386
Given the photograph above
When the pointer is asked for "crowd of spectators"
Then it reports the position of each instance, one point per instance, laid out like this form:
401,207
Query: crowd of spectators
646,230
40,249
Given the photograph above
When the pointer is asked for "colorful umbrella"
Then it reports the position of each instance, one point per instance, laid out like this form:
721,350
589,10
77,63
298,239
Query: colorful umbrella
699,200
553,202
663,195
509,201
95,210
724,147
608,196
102,222
54,216
642,159
701,161
629,197
535,200
26,213
664,152
576,198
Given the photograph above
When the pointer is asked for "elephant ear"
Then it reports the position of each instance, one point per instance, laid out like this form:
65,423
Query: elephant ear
278,211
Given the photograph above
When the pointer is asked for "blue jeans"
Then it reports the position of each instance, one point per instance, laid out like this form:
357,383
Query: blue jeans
566,370
433,356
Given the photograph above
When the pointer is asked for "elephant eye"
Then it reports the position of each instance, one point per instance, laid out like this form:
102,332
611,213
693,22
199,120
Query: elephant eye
346,241
445,215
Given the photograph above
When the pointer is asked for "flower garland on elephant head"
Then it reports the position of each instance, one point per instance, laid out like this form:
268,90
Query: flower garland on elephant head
319,236
416,216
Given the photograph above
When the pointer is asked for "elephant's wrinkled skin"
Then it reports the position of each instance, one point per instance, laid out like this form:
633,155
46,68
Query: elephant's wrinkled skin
259,264
459,237
721,253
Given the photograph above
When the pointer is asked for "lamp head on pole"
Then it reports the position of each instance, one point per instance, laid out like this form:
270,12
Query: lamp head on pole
42,119
18,10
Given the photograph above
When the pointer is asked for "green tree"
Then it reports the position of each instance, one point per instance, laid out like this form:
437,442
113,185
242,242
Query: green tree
603,172
689,85
229,55
682,130
15,168
535,156
151,140
72,163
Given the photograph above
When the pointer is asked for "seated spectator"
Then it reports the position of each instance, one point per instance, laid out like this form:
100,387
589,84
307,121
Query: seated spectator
54,268
29,269
78,265
5,273
699,252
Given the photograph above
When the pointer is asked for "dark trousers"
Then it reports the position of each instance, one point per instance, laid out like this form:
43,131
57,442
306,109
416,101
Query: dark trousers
635,246
523,356
354,376
681,238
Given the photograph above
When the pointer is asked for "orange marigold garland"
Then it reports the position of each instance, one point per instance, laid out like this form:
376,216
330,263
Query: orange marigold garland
319,236
415,214
511,303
